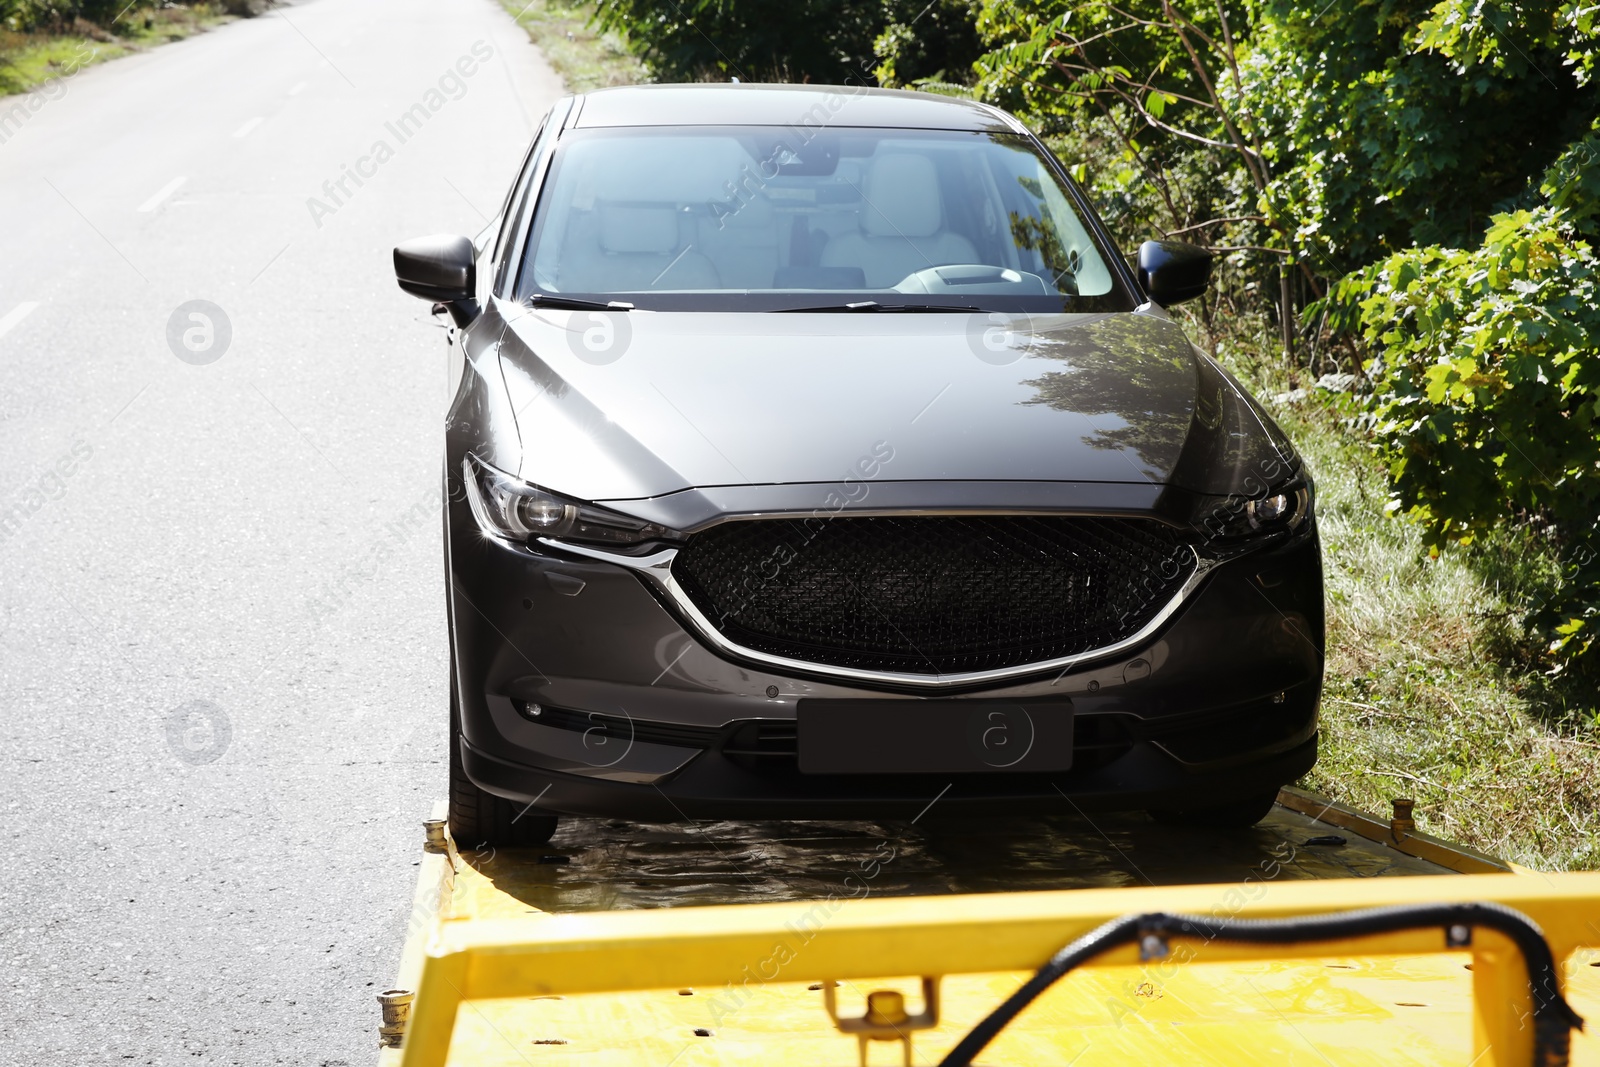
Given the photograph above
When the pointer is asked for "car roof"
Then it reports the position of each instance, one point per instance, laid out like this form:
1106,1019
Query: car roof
736,104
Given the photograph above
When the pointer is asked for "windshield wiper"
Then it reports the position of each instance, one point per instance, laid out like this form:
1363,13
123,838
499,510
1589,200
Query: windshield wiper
873,305
574,303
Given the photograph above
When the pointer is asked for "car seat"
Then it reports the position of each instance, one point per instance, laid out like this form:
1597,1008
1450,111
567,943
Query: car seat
900,224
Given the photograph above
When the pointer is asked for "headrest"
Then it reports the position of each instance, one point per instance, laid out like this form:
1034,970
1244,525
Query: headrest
902,197
637,227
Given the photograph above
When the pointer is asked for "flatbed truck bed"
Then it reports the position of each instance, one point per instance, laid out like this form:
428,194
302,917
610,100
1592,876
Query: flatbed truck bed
723,943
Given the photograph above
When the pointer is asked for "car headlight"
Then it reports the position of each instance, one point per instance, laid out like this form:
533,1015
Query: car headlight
511,508
1240,516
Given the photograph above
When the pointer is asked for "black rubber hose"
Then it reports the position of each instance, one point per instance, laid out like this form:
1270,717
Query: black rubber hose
1553,1017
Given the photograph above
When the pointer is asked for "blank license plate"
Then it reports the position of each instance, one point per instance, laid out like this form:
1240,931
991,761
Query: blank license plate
933,736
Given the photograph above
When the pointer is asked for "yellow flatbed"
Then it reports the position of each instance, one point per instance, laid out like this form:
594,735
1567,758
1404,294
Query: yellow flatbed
720,943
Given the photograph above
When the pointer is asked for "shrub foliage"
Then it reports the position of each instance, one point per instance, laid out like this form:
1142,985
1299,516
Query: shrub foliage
1486,380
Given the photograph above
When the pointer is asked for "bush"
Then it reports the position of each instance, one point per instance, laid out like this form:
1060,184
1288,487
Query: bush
58,14
1410,122
1486,380
63,15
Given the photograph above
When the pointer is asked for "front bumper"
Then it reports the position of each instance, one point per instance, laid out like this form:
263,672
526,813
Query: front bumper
714,788
638,719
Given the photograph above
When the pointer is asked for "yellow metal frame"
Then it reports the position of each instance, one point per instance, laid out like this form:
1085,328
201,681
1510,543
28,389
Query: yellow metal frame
556,955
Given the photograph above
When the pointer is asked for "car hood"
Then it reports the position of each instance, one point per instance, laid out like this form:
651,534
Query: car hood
629,405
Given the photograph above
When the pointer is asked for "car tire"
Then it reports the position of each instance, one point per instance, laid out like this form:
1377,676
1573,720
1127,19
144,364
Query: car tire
480,820
1233,815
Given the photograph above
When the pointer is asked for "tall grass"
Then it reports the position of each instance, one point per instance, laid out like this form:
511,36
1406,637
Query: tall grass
54,48
585,58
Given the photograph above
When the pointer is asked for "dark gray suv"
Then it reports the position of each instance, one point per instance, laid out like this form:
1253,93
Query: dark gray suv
816,454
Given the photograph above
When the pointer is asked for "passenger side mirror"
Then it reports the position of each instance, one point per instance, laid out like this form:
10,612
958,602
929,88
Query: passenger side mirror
441,268
1173,271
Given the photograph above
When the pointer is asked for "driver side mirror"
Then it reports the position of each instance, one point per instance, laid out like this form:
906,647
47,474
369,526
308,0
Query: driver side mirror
441,268
1173,271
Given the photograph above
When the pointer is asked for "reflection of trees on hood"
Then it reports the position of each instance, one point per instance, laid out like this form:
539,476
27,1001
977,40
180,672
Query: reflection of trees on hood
1135,367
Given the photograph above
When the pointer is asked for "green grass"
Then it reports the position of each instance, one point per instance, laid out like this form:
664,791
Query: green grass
28,60
585,59
1434,690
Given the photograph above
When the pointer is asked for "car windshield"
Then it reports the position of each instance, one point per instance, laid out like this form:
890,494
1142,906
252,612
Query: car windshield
766,218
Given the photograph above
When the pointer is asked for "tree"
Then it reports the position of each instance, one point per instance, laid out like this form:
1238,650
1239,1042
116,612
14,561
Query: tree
1167,82
822,41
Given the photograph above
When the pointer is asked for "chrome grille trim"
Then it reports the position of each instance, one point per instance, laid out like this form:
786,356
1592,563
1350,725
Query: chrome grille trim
656,569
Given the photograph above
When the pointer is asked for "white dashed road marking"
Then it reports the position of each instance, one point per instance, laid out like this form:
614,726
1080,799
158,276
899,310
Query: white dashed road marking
16,315
164,192
244,131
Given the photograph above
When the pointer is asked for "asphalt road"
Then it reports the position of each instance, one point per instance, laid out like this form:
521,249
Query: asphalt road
222,658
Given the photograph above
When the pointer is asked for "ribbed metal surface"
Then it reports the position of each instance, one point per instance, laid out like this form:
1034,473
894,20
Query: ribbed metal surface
933,595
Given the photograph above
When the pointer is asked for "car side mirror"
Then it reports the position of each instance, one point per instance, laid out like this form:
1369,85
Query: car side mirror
441,268
1173,271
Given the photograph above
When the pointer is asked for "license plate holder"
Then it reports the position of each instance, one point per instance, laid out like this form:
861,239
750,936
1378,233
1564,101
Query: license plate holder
934,736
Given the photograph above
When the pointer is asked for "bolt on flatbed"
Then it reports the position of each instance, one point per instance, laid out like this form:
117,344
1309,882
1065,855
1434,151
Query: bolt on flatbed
874,943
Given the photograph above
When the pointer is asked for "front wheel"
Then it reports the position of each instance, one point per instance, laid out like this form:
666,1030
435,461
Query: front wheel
1238,813
480,820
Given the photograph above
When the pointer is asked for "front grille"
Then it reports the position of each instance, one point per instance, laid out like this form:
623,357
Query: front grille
935,594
